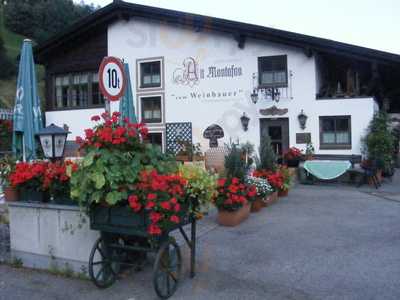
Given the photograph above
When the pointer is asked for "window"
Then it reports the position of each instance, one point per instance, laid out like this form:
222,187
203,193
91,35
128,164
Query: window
335,132
155,138
150,74
77,90
151,109
97,96
272,71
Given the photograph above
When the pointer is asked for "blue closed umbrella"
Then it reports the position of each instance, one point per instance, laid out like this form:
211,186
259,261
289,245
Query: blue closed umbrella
126,107
27,118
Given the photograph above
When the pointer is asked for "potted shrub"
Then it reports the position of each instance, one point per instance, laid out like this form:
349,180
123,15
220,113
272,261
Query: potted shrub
57,181
232,202
263,189
5,135
292,157
28,178
379,143
7,166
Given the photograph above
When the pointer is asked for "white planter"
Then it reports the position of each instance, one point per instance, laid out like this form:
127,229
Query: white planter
49,236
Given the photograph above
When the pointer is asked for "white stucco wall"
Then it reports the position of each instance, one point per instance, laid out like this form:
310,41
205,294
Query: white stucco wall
77,120
141,39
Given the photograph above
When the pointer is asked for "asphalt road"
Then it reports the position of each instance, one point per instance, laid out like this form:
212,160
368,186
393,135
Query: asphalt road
321,242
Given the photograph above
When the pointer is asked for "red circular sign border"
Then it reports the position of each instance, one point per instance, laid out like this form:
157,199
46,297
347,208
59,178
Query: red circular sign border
104,62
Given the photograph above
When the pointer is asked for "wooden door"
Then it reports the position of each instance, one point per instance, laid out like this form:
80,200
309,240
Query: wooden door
278,131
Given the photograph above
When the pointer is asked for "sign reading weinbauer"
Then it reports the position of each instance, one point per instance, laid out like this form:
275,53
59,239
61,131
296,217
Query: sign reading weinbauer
112,78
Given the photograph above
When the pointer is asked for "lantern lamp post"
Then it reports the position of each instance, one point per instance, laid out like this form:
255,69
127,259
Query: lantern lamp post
52,139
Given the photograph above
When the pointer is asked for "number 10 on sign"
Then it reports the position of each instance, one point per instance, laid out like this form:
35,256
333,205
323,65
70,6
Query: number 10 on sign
112,78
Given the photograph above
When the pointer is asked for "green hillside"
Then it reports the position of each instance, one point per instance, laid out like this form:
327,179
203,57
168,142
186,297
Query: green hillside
13,43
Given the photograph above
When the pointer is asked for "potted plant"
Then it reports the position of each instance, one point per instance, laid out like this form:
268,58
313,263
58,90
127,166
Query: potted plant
57,181
379,143
274,179
232,202
28,178
263,189
292,157
201,186
7,166
309,153
284,173
115,156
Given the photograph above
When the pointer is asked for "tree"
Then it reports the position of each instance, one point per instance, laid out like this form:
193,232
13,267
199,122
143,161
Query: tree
267,159
8,68
41,19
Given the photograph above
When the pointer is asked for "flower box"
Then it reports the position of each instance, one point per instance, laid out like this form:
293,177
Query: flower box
10,194
283,193
28,195
257,205
233,218
271,199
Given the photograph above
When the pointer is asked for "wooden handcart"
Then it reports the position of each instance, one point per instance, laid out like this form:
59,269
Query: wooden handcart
124,241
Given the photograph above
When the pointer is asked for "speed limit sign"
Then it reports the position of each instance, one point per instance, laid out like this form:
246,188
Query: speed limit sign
112,78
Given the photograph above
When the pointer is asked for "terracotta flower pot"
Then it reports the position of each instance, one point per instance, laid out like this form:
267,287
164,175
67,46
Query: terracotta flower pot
283,193
274,197
233,218
257,205
10,194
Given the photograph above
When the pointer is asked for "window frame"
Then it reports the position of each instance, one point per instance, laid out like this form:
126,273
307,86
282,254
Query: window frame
70,85
139,86
273,85
160,131
140,97
334,146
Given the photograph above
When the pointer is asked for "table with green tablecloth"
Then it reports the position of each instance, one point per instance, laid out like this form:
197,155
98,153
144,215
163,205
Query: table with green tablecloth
326,169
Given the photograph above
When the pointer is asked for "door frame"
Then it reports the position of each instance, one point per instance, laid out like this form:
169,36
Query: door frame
286,119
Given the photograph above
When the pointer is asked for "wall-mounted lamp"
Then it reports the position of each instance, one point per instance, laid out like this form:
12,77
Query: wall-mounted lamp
244,119
302,119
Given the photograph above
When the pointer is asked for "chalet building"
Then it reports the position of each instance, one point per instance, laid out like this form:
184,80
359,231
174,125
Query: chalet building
189,72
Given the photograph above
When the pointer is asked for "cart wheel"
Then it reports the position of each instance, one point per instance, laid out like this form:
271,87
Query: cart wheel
102,271
167,269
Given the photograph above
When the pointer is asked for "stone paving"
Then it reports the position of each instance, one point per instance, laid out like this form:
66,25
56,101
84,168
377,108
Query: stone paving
320,242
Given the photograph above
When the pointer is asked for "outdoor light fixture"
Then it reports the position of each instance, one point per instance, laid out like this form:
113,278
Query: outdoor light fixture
272,93
302,119
245,121
52,139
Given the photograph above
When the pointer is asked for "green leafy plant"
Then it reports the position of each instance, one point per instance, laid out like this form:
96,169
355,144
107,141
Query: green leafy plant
267,160
379,142
235,163
201,185
309,149
7,166
115,155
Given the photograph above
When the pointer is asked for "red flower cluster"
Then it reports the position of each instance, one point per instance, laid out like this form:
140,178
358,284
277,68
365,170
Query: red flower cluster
275,179
112,132
28,175
292,153
42,175
233,194
56,177
162,197
5,127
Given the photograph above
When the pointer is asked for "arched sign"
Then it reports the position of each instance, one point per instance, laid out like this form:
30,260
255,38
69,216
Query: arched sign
112,78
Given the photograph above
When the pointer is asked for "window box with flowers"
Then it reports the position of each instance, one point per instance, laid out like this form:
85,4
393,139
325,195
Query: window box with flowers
233,201
292,157
28,178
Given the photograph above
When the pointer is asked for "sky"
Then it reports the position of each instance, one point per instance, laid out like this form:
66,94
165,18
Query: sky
369,23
